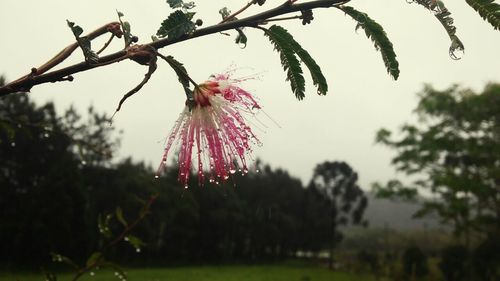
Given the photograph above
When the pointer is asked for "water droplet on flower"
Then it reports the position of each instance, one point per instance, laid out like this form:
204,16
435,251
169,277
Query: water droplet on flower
232,171
156,176
186,186
226,177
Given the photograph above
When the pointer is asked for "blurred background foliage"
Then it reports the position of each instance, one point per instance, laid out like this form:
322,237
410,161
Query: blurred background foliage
58,175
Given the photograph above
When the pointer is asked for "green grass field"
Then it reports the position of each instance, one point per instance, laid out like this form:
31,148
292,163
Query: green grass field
210,273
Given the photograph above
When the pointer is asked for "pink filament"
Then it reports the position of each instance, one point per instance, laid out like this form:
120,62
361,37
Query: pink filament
216,128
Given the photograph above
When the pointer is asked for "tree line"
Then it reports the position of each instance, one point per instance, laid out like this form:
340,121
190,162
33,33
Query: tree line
61,193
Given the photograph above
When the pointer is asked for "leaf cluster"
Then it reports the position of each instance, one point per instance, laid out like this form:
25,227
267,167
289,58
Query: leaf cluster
290,51
488,10
453,152
376,33
177,24
444,17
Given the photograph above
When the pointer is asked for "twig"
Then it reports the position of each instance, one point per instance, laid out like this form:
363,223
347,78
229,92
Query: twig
106,45
230,17
282,19
119,238
152,68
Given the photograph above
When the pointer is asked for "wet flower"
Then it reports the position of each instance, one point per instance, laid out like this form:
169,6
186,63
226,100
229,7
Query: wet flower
212,131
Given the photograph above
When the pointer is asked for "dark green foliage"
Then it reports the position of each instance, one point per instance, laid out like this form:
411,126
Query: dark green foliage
83,42
289,62
455,147
317,76
453,263
241,39
376,33
181,72
289,50
336,182
176,25
414,263
488,10
486,259
70,200
444,17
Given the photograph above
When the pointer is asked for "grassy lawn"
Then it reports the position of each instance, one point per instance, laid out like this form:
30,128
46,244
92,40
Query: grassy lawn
210,273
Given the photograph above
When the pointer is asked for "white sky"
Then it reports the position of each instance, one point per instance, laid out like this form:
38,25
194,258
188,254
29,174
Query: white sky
341,126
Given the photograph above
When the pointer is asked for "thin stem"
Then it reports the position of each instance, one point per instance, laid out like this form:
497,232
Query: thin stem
284,18
106,45
230,17
119,238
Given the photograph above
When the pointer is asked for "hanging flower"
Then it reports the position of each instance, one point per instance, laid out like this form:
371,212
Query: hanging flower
212,132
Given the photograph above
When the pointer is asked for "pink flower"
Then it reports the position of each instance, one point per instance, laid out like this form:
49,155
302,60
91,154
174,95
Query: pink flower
213,132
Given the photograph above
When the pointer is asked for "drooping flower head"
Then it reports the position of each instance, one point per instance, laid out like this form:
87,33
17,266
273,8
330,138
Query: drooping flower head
212,131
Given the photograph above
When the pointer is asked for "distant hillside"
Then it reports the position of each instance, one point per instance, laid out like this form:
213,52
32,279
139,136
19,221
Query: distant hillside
397,215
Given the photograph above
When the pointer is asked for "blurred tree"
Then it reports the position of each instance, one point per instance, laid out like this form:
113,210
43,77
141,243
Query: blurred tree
453,263
337,182
454,154
414,263
42,201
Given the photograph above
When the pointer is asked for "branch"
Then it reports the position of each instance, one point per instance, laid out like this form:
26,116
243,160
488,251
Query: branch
27,82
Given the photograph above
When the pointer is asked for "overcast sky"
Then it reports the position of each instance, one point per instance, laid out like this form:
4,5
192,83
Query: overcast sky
362,98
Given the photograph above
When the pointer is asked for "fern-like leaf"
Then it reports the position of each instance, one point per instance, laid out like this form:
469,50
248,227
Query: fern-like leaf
317,76
376,33
488,10
444,17
176,25
289,61
180,70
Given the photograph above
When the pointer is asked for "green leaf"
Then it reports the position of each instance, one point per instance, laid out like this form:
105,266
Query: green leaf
93,259
317,76
376,33
181,72
289,61
119,271
103,225
83,42
127,35
63,259
488,10
135,241
224,12
444,16
175,4
119,216
241,39
176,25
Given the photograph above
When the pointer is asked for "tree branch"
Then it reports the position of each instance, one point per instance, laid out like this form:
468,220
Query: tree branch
25,83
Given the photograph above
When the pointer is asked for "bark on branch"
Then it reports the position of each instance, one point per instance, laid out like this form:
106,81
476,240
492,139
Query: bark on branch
25,83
